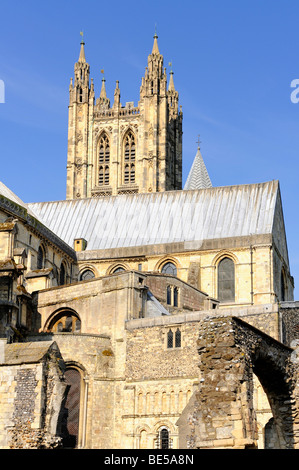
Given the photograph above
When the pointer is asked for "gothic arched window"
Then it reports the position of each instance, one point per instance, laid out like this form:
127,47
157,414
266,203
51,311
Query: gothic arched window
40,258
62,275
104,160
86,275
178,337
226,280
119,269
170,339
169,268
129,158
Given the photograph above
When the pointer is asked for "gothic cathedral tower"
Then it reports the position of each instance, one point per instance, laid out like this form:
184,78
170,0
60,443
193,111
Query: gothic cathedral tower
124,149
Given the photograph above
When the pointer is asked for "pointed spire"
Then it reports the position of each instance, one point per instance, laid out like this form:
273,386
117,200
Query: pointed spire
82,52
155,46
116,95
103,89
171,86
198,177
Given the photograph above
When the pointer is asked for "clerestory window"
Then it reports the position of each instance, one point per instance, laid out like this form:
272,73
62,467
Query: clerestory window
226,280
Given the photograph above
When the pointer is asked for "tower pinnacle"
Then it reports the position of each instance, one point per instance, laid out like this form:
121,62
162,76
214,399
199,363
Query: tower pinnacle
82,52
155,45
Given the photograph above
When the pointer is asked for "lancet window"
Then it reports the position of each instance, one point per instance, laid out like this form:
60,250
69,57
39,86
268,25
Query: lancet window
104,160
129,158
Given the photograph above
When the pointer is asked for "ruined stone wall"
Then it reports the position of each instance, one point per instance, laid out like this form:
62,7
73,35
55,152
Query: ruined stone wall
289,314
30,400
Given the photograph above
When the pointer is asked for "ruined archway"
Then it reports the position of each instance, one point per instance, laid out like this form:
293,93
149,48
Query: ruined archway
223,415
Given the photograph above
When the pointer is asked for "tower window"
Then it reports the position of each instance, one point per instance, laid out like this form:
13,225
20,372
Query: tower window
104,158
226,280
80,95
129,158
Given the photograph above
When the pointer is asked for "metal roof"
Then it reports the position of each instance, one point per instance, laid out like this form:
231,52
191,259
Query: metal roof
12,204
173,216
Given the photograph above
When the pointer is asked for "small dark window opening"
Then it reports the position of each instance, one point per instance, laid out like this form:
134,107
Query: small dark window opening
164,439
62,275
40,258
178,341
175,297
170,339
168,295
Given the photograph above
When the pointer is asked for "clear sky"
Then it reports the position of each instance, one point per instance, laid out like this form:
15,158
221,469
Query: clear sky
233,64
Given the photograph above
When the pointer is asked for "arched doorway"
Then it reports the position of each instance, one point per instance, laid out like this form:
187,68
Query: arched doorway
70,412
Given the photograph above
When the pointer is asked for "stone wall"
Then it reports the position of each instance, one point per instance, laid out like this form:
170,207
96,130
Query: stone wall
31,391
222,414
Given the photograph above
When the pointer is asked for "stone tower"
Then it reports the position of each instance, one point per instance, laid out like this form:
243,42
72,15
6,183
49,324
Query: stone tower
124,149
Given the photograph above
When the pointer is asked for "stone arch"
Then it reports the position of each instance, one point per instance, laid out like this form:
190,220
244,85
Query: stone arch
142,433
228,360
164,431
61,314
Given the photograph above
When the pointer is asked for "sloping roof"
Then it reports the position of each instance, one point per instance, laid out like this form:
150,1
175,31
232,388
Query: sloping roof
15,207
22,353
173,216
7,193
198,177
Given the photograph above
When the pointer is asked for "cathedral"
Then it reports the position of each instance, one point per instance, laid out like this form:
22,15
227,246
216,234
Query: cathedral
138,313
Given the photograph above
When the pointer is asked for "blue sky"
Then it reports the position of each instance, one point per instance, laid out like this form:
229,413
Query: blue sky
233,64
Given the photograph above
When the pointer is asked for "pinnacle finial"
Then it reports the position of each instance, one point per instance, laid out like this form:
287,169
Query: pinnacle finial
103,90
155,46
171,86
82,53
